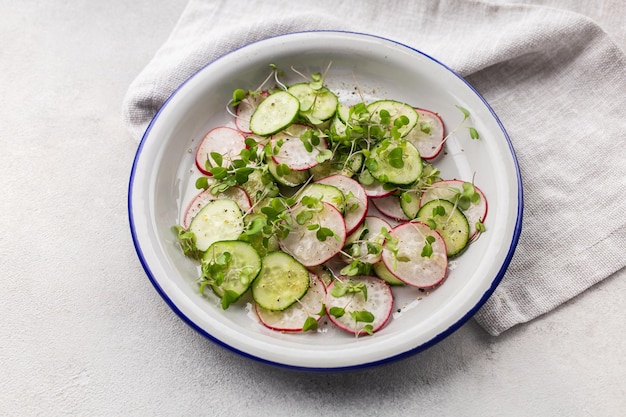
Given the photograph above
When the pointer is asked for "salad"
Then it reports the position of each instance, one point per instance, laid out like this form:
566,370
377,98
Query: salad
310,207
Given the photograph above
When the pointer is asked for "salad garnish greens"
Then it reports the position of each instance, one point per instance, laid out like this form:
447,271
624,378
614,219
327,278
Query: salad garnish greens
310,207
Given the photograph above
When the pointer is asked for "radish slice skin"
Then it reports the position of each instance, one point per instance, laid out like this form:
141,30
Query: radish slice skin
303,244
237,194
379,303
408,264
390,207
357,202
429,142
293,318
446,189
224,140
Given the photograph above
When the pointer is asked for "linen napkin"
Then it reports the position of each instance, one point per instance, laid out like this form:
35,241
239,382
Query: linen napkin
555,78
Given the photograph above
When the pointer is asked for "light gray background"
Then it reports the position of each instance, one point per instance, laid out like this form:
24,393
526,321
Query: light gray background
84,333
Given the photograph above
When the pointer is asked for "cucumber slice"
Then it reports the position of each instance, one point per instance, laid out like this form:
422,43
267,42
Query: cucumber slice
449,190
385,274
280,283
341,163
396,162
324,192
231,266
292,179
410,203
396,109
320,104
260,185
220,219
451,224
293,318
274,114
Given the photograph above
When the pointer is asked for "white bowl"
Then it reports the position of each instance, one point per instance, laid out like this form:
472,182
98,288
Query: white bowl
162,173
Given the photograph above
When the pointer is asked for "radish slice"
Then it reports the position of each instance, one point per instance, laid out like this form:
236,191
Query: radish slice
377,190
379,303
303,243
226,141
356,199
245,108
390,207
202,198
293,318
408,264
292,152
428,134
447,189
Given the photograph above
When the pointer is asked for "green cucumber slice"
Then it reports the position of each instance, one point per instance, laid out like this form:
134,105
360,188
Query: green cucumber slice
231,266
324,192
317,105
291,179
396,162
410,203
451,224
274,114
220,219
280,283
396,109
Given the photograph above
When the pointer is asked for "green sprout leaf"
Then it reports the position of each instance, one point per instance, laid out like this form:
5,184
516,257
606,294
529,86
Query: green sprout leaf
228,298
309,324
337,312
395,158
323,233
466,113
238,95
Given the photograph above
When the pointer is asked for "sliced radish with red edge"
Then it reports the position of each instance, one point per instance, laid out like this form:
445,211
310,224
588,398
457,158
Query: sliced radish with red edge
403,258
303,242
292,151
226,141
378,303
428,134
356,199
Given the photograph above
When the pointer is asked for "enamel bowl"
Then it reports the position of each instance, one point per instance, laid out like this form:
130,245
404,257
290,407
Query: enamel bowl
163,174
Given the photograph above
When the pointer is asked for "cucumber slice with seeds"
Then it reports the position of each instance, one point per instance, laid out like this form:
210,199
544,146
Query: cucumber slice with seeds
240,270
275,113
396,162
220,219
280,283
396,109
325,192
451,224
319,104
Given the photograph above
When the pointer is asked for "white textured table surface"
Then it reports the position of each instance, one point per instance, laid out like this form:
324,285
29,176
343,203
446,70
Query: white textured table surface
84,333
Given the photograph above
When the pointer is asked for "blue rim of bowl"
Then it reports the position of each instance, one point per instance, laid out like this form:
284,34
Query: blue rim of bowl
417,349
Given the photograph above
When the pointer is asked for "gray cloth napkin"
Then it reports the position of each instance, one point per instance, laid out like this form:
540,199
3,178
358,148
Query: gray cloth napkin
554,77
